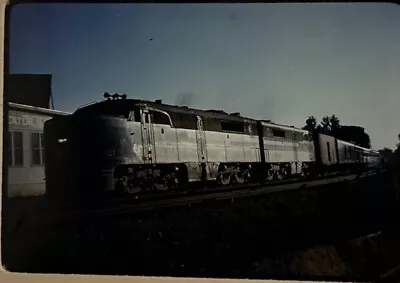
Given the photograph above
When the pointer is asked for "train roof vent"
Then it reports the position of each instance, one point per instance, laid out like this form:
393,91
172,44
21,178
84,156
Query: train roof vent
217,111
235,114
158,101
114,96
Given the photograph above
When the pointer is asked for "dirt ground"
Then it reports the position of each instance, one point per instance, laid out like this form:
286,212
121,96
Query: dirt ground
314,233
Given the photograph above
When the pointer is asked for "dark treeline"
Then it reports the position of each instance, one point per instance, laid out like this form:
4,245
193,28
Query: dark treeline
331,126
386,153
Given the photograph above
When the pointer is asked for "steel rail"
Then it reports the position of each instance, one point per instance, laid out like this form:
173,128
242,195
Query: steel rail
189,200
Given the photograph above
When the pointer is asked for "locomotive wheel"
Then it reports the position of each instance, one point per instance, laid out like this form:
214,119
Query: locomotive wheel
270,175
133,190
160,187
130,188
173,183
239,178
225,178
281,174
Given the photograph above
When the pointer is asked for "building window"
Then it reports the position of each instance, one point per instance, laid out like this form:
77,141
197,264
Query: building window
15,149
37,149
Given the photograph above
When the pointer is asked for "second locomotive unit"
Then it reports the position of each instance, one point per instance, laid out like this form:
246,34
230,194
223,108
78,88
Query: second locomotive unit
129,145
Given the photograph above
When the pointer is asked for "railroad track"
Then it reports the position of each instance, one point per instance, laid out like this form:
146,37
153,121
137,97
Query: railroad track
124,208
137,199
391,274
38,209
249,192
41,203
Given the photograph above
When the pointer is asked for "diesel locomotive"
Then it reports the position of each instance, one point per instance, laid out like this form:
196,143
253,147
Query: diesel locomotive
129,146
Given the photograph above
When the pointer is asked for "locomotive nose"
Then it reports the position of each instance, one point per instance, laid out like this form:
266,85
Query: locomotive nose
107,177
110,152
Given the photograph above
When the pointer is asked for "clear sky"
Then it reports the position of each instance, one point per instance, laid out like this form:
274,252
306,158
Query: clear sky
281,62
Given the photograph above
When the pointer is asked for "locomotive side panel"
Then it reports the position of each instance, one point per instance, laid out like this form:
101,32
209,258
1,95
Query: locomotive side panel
234,147
167,147
270,145
187,145
278,145
190,153
216,146
328,150
287,147
251,146
136,138
278,151
306,150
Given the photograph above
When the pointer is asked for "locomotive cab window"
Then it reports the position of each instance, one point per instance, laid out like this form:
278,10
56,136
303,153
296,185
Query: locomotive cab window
211,124
160,118
134,115
184,120
278,133
230,126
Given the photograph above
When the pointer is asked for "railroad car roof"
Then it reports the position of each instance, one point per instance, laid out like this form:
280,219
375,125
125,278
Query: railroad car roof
360,147
34,109
346,143
125,105
372,151
353,145
283,127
